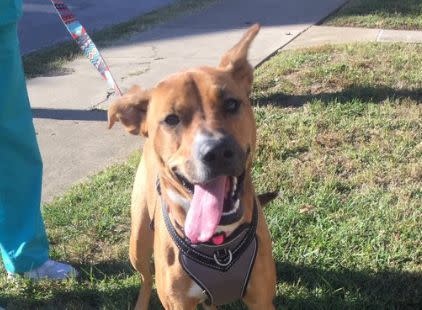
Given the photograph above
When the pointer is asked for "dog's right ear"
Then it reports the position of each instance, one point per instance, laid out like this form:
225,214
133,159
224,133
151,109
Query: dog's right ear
236,59
131,110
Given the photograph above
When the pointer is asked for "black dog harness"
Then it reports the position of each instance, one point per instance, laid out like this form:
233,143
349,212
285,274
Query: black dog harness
222,271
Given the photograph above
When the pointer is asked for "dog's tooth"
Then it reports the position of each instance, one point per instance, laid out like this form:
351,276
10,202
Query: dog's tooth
234,180
236,205
234,209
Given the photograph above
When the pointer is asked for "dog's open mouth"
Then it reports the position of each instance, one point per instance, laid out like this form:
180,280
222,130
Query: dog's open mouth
231,194
215,203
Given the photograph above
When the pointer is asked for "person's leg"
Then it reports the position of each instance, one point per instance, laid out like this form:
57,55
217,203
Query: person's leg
23,240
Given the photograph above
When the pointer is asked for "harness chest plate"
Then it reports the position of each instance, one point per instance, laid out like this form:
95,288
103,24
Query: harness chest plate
222,286
222,271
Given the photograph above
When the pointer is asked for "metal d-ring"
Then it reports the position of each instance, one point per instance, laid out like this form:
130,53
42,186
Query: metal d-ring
228,261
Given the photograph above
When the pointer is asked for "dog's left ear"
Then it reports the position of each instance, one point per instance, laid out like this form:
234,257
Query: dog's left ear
236,59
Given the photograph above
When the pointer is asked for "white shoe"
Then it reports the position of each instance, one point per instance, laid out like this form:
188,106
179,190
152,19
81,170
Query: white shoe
50,270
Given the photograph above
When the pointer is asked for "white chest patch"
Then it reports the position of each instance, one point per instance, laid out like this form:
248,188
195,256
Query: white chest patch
178,199
228,229
195,291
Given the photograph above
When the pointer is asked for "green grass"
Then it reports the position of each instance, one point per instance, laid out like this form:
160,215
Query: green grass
51,61
340,133
386,14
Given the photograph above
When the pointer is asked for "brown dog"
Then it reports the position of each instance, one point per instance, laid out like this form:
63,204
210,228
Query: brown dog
194,185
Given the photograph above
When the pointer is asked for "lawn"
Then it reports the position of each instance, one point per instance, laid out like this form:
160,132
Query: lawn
386,14
340,133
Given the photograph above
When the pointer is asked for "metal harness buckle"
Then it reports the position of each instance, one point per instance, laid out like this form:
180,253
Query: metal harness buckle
225,259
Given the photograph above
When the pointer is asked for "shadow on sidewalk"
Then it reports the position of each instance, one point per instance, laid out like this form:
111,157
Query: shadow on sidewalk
65,114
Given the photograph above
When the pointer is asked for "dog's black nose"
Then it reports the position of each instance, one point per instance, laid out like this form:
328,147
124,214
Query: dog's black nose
221,155
216,150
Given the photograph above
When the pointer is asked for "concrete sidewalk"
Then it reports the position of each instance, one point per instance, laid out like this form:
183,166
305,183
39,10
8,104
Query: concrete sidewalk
74,141
41,26
319,35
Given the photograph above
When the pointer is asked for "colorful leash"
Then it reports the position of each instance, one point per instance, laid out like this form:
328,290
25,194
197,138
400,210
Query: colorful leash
88,47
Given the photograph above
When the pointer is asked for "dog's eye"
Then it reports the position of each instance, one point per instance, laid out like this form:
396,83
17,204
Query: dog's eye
231,106
172,120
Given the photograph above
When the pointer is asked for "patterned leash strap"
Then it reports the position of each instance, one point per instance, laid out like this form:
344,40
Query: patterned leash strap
88,47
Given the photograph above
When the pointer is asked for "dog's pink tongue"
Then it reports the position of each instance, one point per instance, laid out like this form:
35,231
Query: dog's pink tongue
205,210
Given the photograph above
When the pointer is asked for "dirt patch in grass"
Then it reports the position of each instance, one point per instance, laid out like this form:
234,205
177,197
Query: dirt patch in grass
385,14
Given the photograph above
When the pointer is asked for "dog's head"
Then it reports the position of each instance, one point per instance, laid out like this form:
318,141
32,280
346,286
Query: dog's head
202,128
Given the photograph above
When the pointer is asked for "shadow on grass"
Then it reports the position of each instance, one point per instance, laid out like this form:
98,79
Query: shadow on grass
328,289
80,294
408,8
107,269
82,297
345,289
106,285
362,93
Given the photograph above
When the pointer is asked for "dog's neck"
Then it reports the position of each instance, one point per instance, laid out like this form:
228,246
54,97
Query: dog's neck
179,205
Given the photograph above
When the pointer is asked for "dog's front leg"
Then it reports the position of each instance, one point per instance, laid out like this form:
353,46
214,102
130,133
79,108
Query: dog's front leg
261,288
172,299
179,305
206,307
140,251
141,237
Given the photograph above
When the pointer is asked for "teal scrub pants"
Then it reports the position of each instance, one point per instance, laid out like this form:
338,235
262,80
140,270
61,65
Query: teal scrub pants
23,241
